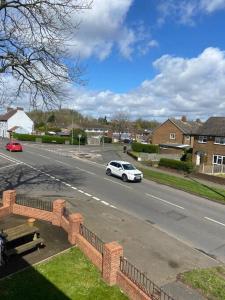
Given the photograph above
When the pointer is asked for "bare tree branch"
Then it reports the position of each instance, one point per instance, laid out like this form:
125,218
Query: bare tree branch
33,34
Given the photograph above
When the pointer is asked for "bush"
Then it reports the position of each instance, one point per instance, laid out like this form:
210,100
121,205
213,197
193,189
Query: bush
107,140
146,148
176,164
187,156
24,137
54,139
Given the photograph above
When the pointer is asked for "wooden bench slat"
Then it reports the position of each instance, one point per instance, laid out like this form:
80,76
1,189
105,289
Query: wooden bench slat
19,231
25,247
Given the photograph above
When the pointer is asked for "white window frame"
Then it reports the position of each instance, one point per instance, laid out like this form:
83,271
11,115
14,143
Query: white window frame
219,140
202,139
172,136
218,157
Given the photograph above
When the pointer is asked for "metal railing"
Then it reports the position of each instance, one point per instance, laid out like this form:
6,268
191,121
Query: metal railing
92,238
33,202
66,213
142,281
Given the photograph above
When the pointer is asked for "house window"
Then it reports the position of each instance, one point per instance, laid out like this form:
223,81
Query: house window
218,160
187,137
202,139
219,140
172,136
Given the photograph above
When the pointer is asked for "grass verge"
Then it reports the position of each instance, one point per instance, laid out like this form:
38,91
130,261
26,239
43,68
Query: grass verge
188,185
210,282
67,276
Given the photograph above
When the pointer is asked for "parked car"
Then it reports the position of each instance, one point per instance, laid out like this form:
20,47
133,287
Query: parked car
14,146
124,170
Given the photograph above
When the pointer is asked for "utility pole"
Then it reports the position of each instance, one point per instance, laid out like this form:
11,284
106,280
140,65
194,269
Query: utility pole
72,128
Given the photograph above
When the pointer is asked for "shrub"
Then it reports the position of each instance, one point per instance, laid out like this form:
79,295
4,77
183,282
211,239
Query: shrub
107,139
146,148
176,164
24,137
54,139
187,156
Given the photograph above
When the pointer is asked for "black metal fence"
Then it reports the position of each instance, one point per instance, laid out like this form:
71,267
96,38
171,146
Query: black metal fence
142,281
33,202
92,238
66,213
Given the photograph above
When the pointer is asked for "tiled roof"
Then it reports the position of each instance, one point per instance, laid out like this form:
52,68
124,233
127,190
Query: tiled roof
189,127
8,115
214,126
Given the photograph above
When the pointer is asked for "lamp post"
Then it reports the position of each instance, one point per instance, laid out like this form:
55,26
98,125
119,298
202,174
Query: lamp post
79,137
72,129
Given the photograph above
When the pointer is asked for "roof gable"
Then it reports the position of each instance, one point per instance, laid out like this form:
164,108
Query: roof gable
8,115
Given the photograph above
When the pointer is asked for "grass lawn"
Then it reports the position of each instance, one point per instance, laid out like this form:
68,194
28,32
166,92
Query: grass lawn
187,185
67,276
211,282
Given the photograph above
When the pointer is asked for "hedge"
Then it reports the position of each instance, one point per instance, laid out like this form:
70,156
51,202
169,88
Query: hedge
146,148
47,138
25,137
176,164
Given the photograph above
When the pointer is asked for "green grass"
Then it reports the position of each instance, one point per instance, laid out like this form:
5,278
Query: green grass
67,276
211,282
187,185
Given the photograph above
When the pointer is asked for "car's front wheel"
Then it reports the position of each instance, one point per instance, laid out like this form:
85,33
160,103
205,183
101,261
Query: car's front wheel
108,172
124,178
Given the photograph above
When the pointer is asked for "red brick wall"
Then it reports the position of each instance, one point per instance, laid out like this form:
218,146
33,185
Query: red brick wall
209,148
4,211
129,288
90,251
161,135
32,212
65,224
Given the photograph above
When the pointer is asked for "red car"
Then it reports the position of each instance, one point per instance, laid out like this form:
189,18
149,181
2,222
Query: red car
14,146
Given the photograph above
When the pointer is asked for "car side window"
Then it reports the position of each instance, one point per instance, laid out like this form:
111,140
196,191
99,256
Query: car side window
119,166
113,164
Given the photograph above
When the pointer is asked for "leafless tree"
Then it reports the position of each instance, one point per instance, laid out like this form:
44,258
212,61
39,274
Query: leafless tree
121,123
33,37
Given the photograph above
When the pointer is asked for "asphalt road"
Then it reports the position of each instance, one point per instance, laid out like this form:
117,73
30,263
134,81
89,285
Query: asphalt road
193,220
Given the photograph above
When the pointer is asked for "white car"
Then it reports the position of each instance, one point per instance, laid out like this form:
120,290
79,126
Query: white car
124,170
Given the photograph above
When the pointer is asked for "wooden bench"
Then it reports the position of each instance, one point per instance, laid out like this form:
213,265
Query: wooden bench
25,247
20,231
14,234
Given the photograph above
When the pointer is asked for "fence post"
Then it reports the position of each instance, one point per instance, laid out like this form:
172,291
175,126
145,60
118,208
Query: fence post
74,226
58,207
9,198
111,261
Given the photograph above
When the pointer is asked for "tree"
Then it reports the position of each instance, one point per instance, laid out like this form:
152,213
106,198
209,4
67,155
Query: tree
121,123
32,47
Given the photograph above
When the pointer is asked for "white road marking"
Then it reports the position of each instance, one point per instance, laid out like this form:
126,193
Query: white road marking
73,187
97,199
57,179
162,200
112,206
10,166
87,194
128,187
212,220
80,191
104,202
68,184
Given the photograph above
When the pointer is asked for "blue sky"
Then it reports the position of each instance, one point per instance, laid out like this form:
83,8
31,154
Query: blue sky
151,59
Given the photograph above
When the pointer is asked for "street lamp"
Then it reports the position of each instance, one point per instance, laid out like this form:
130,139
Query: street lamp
79,137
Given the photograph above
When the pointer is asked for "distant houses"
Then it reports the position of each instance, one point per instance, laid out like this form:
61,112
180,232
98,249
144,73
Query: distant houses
15,120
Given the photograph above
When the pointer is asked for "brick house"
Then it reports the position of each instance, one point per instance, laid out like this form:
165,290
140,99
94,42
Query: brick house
209,143
175,132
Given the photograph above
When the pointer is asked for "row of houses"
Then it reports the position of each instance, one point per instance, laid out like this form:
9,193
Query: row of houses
207,140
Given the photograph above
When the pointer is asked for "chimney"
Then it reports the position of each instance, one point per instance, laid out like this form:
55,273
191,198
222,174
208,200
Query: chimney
9,108
19,108
184,119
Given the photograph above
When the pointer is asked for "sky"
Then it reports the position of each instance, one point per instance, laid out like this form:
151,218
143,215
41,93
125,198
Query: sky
151,59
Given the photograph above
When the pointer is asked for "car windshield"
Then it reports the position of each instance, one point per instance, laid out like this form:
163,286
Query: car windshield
16,144
128,167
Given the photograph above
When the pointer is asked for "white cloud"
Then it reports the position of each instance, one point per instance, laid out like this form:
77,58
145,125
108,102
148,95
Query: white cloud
185,11
102,28
195,87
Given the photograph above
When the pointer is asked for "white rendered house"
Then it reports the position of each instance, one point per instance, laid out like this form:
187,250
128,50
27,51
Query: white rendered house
15,120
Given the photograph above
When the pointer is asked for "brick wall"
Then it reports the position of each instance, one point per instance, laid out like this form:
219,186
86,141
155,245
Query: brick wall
209,148
65,224
4,211
129,288
94,256
32,212
161,135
